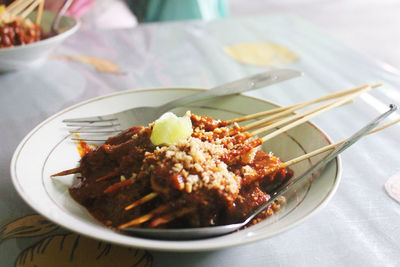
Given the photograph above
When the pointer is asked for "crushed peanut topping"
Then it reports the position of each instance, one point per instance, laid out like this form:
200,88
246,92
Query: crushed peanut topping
198,163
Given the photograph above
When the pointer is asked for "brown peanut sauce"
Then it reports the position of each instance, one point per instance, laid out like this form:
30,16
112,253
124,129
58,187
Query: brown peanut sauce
124,169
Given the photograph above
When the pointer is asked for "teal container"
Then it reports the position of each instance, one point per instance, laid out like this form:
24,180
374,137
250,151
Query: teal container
169,10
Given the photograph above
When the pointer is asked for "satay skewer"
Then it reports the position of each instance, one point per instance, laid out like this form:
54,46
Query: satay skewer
29,9
171,216
13,5
67,172
174,215
146,217
115,187
302,105
350,96
309,115
115,173
141,201
39,13
344,97
270,121
283,118
152,195
18,6
332,146
302,117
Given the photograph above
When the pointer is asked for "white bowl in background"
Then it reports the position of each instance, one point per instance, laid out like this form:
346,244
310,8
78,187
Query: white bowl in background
33,54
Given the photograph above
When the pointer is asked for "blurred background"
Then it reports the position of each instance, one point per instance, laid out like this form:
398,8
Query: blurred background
371,27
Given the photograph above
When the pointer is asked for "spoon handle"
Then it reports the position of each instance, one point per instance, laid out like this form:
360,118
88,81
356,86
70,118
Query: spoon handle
350,141
60,13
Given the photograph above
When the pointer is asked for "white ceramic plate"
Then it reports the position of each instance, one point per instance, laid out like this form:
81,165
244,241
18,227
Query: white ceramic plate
47,149
22,56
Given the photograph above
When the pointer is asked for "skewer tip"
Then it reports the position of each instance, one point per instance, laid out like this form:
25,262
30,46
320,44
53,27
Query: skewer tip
393,107
377,85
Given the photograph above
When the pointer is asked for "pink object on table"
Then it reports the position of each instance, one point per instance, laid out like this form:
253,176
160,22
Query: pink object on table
104,14
79,7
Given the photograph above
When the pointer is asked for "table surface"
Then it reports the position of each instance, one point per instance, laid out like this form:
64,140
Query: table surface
370,26
360,226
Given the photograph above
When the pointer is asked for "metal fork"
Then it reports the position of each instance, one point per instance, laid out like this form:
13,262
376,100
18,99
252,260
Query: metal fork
99,128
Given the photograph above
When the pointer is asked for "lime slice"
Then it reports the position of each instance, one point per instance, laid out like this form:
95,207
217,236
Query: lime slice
169,129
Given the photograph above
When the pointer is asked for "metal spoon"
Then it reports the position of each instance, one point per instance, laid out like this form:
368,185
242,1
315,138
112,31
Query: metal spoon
205,232
60,13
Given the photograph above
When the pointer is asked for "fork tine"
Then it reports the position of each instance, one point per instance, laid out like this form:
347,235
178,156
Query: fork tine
93,128
85,130
93,124
91,119
101,138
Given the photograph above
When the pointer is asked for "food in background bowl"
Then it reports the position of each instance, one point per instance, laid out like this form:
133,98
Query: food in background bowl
20,32
15,28
25,42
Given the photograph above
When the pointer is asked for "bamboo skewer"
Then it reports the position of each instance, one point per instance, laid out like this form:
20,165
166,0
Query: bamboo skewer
115,173
141,201
18,7
305,116
276,120
66,172
112,174
349,94
274,117
331,146
316,111
39,13
145,217
30,9
260,114
13,5
169,217
304,104
22,8
287,110
117,186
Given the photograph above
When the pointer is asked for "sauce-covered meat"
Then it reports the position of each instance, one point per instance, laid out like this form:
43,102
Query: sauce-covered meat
19,33
216,176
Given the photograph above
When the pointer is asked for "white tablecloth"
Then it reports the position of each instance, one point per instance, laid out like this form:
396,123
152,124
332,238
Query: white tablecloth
359,227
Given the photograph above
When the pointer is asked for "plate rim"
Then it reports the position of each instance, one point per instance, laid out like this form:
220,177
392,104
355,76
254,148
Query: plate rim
181,247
